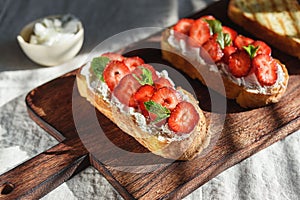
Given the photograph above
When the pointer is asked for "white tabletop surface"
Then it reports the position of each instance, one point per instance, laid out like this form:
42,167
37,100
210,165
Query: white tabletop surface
273,173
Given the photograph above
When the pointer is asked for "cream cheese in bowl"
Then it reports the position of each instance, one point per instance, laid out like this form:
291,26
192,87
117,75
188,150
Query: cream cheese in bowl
52,40
51,31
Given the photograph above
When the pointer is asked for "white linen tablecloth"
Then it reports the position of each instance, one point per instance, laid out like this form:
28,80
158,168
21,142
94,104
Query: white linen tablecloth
273,173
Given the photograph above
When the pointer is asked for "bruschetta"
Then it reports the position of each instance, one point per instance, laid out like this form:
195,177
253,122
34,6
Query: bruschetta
145,104
205,49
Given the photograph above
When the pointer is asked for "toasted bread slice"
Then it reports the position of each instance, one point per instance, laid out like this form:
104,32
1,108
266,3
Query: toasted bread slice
275,21
185,149
244,97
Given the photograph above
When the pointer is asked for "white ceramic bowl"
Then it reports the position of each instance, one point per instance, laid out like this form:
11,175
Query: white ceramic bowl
50,55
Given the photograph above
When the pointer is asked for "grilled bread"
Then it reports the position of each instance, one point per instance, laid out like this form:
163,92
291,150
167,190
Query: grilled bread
181,136
253,78
274,21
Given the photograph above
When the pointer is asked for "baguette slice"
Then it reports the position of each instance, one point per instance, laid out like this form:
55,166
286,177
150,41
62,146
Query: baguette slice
274,21
185,149
245,98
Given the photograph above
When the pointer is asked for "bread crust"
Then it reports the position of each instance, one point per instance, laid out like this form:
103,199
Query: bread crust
185,149
243,97
285,43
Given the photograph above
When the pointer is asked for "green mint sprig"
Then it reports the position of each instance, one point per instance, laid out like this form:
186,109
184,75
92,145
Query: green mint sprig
251,50
160,111
146,76
215,27
98,64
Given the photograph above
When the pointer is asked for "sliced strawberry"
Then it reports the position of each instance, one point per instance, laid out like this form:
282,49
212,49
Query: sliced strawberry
183,118
241,41
133,62
144,111
113,56
239,63
162,82
167,97
138,71
114,72
228,50
183,26
125,90
152,117
265,68
213,49
199,32
143,94
232,33
263,48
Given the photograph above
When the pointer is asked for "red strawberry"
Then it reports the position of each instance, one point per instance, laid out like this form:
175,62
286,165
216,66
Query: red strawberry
265,68
144,111
199,32
162,82
213,49
232,33
113,56
152,117
125,90
183,118
138,71
241,41
143,94
167,97
228,50
133,62
114,72
183,26
263,48
239,63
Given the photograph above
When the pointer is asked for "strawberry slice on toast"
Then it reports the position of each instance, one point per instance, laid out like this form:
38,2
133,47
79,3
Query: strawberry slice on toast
114,72
133,62
167,97
265,69
125,90
183,118
183,26
199,32
239,64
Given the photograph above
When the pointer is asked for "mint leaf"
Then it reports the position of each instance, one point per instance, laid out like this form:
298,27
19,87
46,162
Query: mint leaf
160,111
251,50
223,39
146,76
214,25
227,39
98,64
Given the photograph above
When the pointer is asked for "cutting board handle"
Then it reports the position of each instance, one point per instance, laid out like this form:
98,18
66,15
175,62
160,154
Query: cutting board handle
41,174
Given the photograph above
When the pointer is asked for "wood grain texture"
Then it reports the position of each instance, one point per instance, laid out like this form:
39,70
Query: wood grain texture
43,173
59,109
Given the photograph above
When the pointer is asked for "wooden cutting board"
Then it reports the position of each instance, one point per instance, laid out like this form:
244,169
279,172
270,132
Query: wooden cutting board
56,106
